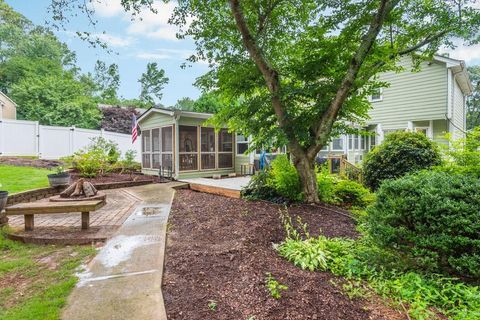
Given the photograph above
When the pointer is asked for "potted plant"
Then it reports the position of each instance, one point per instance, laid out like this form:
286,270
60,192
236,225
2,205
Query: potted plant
60,178
3,203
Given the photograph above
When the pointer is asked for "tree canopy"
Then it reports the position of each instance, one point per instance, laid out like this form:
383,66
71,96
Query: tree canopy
473,102
299,71
153,82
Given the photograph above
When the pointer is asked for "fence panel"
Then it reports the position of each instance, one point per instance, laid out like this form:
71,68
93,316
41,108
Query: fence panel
18,138
27,138
55,142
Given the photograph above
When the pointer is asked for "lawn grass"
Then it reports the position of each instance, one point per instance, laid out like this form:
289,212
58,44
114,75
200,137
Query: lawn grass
35,281
16,179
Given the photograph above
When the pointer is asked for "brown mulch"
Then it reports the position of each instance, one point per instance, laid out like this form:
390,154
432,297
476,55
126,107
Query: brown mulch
116,177
29,162
220,249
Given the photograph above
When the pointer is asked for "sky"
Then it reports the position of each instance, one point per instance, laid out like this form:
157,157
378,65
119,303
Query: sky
135,43
151,39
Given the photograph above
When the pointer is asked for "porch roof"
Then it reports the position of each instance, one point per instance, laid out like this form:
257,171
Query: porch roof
174,113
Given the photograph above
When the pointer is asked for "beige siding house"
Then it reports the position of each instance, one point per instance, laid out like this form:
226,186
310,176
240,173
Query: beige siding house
431,100
8,108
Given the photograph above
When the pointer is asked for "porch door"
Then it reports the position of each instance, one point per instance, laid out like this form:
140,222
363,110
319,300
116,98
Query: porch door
166,147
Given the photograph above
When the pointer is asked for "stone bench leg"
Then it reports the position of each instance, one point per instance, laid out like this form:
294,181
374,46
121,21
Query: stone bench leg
29,222
85,220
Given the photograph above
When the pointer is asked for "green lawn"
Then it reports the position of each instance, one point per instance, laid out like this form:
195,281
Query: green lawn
36,280
16,179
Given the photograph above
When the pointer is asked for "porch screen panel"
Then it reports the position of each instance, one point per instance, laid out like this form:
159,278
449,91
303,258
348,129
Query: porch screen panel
225,149
146,149
156,148
188,151
207,148
167,148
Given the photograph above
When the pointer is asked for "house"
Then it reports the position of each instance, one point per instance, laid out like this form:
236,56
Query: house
8,108
431,101
181,143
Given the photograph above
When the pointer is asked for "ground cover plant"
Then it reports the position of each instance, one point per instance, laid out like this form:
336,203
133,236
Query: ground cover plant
16,179
36,280
368,268
400,153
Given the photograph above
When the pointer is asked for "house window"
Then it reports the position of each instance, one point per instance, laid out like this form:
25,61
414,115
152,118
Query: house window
373,141
188,148
377,95
337,144
146,149
242,144
207,148
423,130
225,149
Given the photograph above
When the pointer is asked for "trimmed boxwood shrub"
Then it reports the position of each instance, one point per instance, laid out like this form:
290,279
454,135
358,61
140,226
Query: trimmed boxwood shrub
434,217
399,154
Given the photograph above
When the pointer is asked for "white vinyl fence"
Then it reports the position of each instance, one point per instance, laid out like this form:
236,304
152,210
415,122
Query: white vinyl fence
28,138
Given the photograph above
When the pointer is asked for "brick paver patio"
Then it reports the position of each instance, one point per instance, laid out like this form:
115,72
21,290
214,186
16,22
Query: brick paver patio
120,203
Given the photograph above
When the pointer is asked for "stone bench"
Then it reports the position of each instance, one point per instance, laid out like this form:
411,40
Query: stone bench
30,209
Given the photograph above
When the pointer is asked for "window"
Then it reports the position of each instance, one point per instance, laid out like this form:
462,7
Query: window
423,130
207,149
377,95
337,144
146,149
242,144
373,141
188,148
225,149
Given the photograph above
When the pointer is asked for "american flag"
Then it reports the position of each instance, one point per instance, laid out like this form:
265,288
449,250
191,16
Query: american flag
134,128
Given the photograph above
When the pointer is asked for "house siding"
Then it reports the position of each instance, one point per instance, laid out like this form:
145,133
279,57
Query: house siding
156,120
411,96
458,112
8,108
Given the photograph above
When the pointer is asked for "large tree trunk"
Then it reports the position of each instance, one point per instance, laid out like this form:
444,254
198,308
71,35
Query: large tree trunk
306,170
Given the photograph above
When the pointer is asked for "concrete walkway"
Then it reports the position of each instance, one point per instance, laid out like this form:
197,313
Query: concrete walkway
124,280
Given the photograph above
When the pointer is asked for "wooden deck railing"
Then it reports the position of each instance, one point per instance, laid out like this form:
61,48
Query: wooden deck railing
340,165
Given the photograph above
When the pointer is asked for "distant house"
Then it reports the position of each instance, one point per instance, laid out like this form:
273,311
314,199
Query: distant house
431,101
8,108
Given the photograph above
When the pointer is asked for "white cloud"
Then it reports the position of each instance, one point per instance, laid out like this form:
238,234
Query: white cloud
471,54
107,8
164,54
114,41
148,24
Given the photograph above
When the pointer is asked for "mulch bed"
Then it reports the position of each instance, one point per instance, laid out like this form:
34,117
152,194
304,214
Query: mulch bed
220,249
116,177
29,162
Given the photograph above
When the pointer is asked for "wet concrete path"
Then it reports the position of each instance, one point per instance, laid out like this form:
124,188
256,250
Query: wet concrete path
124,280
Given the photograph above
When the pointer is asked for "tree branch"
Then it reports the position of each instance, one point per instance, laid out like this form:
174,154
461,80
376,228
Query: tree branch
269,74
329,117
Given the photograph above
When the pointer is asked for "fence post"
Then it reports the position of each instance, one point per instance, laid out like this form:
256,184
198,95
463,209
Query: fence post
37,139
72,140
1,137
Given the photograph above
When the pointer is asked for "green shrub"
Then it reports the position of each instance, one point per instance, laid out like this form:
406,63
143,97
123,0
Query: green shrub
399,154
352,194
98,158
432,216
326,185
463,155
284,178
257,189
128,163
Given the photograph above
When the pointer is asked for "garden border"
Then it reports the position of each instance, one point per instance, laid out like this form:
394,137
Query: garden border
42,193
